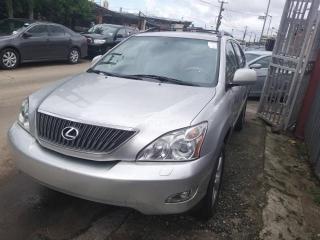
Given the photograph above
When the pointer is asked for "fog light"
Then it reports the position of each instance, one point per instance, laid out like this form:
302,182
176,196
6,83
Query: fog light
181,197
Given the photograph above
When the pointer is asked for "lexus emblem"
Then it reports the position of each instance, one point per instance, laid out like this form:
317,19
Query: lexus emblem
70,133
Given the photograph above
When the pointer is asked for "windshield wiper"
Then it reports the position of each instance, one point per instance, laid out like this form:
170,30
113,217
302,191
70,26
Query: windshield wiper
164,79
91,70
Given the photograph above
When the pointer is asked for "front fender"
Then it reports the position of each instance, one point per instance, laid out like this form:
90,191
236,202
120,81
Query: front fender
37,98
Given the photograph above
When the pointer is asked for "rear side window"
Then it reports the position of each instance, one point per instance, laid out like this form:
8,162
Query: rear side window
39,30
265,62
240,55
131,31
56,31
251,56
231,62
122,32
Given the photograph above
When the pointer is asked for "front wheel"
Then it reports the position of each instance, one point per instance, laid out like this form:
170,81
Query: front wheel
206,208
9,58
74,56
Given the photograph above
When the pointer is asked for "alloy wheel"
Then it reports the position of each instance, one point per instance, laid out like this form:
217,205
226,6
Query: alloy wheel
9,59
74,56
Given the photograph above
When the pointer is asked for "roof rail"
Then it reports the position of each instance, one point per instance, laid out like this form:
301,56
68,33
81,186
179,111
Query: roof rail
198,30
201,30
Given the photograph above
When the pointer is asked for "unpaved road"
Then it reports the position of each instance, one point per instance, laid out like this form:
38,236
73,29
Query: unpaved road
30,211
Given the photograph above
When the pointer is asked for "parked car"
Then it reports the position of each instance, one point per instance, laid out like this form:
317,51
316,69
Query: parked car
103,37
145,127
258,61
31,41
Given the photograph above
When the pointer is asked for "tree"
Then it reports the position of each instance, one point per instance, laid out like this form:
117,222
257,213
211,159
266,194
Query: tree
30,9
9,6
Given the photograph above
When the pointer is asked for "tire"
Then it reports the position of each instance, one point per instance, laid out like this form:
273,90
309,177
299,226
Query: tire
241,120
9,58
74,56
207,206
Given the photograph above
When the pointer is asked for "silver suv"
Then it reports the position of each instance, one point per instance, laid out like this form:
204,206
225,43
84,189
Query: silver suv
145,127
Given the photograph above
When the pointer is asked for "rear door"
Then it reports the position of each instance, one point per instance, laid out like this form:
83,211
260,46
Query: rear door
59,42
35,45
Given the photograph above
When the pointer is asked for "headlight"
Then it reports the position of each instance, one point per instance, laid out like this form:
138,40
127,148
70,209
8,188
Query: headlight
180,145
23,118
99,41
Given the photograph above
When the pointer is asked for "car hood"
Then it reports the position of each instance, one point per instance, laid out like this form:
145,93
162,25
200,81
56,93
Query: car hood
5,37
112,101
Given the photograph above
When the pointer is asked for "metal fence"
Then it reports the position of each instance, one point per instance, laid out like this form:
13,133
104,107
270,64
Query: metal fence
292,60
312,132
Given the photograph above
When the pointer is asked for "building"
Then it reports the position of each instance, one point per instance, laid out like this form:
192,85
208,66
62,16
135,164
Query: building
141,21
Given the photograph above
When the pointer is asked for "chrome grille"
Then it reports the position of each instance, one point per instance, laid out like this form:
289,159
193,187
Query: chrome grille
91,138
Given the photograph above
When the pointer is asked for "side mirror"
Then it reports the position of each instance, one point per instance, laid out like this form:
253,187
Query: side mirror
26,35
256,66
95,60
244,77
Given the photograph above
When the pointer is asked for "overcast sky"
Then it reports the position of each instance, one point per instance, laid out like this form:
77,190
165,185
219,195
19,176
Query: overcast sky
237,15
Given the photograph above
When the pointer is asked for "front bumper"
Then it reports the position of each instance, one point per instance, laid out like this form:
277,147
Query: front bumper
96,50
142,186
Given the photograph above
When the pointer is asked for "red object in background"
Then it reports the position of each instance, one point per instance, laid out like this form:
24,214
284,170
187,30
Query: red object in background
308,99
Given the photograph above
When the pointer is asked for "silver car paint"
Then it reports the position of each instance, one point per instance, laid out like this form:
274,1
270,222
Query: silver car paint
153,109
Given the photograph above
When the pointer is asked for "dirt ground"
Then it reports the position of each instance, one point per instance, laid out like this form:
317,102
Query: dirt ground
262,173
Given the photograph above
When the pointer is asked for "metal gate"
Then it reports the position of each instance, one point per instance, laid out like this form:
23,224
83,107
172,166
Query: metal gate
291,62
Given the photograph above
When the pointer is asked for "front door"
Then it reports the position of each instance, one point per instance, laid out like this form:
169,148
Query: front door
34,44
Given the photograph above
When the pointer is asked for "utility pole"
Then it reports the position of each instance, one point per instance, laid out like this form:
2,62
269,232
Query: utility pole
265,19
250,37
222,2
245,33
269,25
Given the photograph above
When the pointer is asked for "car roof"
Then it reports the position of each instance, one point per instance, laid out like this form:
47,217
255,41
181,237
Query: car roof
114,25
262,53
191,35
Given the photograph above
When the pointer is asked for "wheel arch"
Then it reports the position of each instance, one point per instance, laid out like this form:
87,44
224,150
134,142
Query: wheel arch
14,48
76,47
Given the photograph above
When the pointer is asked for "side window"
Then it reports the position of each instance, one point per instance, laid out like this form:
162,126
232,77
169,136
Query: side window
265,62
122,32
240,55
56,30
39,31
231,62
131,31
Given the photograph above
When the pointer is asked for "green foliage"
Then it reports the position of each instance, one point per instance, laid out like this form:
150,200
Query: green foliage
66,12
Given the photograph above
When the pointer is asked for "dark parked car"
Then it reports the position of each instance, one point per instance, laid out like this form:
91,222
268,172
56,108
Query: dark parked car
30,41
103,37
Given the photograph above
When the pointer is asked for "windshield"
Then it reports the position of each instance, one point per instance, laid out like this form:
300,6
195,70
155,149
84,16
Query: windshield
190,61
103,30
251,56
11,26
